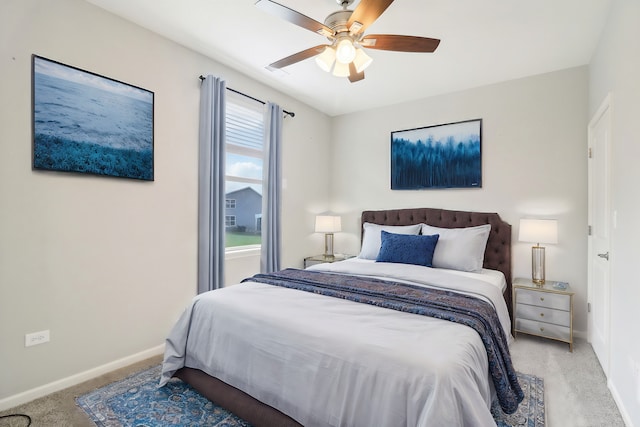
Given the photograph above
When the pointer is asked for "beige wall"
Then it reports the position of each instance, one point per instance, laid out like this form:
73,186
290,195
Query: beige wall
108,264
534,142
615,69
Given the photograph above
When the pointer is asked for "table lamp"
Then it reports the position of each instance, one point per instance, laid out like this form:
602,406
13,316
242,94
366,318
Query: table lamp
328,224
538,231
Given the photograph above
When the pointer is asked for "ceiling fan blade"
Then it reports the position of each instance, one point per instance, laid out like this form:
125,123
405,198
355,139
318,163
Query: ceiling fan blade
297,57
400,43
294,17
367,12
355,76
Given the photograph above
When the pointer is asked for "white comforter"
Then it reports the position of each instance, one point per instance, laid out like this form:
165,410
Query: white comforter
325,361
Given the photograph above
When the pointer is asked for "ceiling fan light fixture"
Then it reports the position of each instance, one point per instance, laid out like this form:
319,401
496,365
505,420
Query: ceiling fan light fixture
341,70
345,29
362,60
326,59
345,51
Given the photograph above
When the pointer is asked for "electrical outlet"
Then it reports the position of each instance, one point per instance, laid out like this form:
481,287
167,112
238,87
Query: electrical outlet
36,338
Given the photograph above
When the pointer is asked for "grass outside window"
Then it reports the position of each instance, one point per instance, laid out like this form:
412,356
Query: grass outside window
233,239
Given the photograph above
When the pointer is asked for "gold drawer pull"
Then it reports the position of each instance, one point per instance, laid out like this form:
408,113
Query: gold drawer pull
541,298
541,314
541,329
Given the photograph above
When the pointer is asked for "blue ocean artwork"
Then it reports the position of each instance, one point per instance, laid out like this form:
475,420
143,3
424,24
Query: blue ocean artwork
441,156
87,123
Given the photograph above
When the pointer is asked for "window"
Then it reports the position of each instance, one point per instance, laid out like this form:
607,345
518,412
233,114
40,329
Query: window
243,180
229,220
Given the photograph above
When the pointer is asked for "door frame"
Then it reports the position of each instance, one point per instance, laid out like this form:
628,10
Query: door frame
605,107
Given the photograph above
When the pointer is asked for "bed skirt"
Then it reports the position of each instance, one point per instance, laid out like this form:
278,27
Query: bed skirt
234,400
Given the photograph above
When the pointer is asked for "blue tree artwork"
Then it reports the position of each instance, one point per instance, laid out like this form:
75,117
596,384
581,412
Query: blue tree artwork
86,123
440,156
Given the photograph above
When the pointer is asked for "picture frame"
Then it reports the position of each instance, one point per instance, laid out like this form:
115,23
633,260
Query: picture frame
439,156
86,123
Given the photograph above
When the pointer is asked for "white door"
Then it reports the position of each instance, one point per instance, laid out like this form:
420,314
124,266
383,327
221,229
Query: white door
600,232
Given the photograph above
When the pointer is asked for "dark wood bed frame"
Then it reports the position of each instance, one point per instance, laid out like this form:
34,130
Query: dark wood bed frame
497,257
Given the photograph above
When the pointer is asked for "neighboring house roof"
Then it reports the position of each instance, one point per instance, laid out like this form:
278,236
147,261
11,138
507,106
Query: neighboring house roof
241,190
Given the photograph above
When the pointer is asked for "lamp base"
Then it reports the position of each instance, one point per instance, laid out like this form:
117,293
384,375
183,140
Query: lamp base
328,245
537,265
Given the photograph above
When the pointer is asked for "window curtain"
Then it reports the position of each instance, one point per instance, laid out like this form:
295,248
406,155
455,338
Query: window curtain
272,178
211,188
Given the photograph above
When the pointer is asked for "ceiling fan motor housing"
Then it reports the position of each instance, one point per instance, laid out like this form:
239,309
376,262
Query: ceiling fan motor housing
337,21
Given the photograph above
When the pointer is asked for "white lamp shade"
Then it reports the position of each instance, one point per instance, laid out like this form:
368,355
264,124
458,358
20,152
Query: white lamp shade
340,69
328,224
345,51
538,230
362,60
326,59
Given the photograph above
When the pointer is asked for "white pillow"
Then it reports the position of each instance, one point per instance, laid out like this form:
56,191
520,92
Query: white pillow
371,240
459,248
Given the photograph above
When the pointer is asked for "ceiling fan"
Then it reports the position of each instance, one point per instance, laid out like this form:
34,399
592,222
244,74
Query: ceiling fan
345,29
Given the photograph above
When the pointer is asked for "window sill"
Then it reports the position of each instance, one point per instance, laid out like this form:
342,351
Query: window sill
242,253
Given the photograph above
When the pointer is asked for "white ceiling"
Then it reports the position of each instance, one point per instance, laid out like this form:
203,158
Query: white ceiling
483,42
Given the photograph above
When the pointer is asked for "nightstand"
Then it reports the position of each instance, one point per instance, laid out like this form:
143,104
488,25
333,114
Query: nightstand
543,310
320,259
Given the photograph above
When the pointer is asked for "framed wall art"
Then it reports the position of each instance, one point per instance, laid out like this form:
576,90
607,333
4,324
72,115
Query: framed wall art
87,123
439,156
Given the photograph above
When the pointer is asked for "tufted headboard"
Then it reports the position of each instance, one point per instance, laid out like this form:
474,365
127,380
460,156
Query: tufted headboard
497,256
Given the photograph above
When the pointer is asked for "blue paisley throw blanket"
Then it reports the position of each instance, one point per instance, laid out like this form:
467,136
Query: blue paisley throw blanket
438,303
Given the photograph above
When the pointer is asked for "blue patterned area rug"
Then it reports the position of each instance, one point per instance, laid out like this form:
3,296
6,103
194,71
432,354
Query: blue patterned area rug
137,401
530,413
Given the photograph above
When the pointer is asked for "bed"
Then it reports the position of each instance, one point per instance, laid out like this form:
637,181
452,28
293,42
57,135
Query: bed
303,352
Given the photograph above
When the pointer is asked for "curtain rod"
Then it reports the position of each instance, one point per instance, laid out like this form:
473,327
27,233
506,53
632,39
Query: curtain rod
289,113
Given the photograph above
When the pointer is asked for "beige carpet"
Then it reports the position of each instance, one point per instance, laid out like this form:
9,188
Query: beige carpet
576,394
59,409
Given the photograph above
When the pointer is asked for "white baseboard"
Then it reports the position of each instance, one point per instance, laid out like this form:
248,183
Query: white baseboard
621,408
35,393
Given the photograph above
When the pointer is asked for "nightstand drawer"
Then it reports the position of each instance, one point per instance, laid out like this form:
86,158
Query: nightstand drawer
543,299
543,314
543,329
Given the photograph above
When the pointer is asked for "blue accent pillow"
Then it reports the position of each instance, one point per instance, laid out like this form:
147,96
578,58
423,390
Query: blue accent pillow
407,248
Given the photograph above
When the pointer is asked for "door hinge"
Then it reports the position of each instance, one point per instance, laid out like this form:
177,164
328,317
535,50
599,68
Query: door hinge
589,307
590,153
589,230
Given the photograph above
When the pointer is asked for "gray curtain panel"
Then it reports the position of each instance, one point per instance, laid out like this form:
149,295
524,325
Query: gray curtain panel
211,189
272,178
